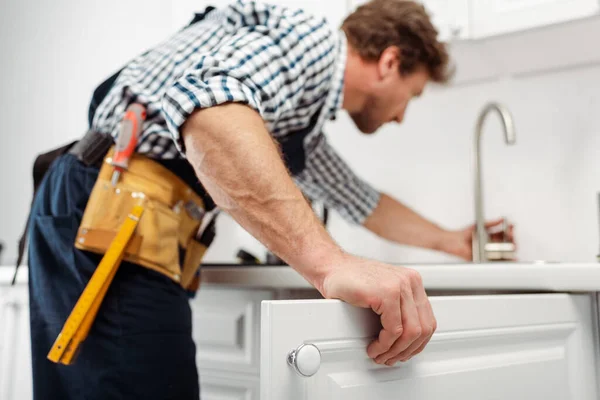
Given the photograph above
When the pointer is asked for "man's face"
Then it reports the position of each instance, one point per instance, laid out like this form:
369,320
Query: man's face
388,97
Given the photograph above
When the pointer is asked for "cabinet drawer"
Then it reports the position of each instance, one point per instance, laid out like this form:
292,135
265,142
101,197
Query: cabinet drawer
538,346
226,328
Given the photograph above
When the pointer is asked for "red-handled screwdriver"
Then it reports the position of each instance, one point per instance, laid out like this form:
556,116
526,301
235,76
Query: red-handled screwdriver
127,139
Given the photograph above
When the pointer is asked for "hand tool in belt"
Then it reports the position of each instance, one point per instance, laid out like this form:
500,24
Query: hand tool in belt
78,325
131,126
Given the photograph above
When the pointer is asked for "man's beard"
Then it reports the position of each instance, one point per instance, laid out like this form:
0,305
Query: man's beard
365,120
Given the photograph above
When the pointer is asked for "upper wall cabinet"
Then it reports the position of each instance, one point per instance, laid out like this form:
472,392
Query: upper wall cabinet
450,17
473,19
455,19
493,17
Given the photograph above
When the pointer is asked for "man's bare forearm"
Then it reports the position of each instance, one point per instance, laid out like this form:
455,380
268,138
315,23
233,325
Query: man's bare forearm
239,165
394,221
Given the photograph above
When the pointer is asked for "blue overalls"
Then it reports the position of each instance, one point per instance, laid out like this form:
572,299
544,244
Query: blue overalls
140,345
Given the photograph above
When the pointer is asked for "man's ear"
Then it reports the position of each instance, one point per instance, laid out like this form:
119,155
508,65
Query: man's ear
389,62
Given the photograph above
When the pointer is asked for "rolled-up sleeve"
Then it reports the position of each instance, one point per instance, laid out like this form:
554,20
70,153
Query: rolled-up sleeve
250,69
328,178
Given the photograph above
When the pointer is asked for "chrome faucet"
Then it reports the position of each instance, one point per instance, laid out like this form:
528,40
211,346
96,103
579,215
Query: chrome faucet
481,248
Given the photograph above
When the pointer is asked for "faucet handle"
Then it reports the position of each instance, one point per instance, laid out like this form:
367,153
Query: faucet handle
500,251
495,251
504,250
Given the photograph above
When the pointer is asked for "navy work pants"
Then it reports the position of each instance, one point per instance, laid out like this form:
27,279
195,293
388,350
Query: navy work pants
140,346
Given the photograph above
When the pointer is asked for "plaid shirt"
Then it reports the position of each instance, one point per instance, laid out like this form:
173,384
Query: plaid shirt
283,63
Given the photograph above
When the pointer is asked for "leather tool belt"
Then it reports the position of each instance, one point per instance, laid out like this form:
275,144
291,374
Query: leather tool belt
169,226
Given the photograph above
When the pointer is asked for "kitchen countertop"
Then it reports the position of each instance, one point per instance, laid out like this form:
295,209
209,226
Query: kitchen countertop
559,277
544,277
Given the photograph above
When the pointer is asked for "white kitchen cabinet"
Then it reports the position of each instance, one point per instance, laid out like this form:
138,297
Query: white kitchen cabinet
488,346
450,17
228,387
15,352
455,19
537,346
493,17
226,329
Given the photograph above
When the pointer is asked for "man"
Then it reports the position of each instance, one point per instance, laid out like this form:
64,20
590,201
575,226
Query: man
241,95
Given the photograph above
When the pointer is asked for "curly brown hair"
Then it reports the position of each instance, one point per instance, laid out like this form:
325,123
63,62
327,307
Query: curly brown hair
379,24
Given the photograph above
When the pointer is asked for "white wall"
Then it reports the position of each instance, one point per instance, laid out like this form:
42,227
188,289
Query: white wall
546,184
53,55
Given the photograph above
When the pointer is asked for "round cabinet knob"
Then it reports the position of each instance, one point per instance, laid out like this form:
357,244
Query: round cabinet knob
306,360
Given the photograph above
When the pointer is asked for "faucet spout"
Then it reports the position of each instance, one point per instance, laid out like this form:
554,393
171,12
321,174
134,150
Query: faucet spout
510,137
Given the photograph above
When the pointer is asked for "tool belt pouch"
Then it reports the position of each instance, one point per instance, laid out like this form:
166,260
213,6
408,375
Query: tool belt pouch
169,224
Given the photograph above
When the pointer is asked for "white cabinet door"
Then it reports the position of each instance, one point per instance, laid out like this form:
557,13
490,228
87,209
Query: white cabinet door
450,17
15,351
492,17
226,328
227,387
486,348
